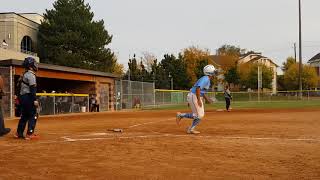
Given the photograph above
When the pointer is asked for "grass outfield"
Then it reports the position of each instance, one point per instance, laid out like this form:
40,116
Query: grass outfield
250,105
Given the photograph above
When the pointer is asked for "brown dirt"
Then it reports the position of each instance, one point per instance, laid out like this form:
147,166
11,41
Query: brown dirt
246,144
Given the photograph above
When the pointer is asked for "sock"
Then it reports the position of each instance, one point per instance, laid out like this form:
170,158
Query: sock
195,122
187,115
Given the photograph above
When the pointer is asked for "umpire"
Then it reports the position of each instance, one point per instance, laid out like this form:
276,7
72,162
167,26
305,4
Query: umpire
3,130
28,99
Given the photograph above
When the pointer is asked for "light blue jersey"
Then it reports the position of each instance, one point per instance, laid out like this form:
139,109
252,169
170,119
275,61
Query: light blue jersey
203,83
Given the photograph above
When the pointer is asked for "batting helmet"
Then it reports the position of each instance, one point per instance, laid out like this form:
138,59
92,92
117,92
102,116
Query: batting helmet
30,62
209,70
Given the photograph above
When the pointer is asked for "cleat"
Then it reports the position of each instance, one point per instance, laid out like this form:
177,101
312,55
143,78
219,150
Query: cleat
192,131
5,131
32,137
18,137
178,118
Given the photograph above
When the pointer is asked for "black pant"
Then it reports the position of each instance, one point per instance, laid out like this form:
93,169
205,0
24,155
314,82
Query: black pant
227,103
28,114
94,108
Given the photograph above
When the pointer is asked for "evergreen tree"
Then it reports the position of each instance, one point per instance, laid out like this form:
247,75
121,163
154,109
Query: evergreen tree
69,36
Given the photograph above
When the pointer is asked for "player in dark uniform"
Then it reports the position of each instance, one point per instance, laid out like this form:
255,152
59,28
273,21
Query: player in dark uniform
28,101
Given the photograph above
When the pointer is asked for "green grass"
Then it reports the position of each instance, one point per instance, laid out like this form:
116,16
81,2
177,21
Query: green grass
250,105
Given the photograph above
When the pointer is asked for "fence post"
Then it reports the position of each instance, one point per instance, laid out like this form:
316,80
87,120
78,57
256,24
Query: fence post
271,95
142,104
154,95
88,104
11,92
308,95
54,104
121,94
72,103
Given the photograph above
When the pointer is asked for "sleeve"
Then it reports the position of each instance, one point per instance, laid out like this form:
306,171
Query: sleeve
203,83
32,85
31,78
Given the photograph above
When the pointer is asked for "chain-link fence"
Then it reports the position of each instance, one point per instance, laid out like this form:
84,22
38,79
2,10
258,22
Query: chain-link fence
167,97
51,103
133,94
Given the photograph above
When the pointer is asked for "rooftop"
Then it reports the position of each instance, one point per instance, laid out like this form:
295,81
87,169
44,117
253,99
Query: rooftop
315,58
25,16
13,62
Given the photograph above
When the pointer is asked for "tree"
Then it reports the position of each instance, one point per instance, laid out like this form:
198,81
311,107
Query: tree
230,50
309,77
232,76
286,65
249,76
280,83
133,70
191,57
177,69
148,59
118,69
69,36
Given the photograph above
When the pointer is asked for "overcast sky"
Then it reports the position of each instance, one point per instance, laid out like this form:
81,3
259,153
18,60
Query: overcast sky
168,26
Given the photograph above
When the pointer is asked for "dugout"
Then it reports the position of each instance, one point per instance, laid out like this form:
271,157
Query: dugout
60,79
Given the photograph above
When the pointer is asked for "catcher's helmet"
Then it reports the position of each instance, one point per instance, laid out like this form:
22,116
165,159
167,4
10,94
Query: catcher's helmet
209,70
30,62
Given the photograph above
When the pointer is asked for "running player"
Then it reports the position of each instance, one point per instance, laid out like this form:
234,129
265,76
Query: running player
195,99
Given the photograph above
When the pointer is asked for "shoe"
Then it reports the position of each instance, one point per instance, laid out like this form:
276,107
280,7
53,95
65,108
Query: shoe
5,131
178,118
32,137
16,135
192,131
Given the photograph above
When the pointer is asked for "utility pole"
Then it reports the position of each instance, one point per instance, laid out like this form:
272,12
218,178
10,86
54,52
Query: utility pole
129,70
295,52
259,82
300,52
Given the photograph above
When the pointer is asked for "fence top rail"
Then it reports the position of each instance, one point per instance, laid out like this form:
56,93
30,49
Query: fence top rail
299,91
238,92
62,94
167,90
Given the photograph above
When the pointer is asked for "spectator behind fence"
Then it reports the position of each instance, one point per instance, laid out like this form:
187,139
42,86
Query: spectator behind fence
5,44
136,102
94,105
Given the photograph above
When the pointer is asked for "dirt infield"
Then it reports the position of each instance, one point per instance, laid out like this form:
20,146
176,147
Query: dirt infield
244,144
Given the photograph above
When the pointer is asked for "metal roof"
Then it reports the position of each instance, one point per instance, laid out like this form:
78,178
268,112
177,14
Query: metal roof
13,62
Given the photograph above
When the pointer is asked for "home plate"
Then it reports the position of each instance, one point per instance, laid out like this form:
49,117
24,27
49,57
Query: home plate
220,110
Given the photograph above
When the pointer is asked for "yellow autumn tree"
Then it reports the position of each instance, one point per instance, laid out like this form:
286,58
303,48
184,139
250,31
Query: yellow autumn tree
118,69
193,56
309,77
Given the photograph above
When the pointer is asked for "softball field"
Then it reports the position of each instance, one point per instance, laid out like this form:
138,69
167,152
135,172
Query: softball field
242,144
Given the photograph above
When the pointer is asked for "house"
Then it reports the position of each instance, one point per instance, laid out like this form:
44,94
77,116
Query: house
20,32
315,62
222,62
252,57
